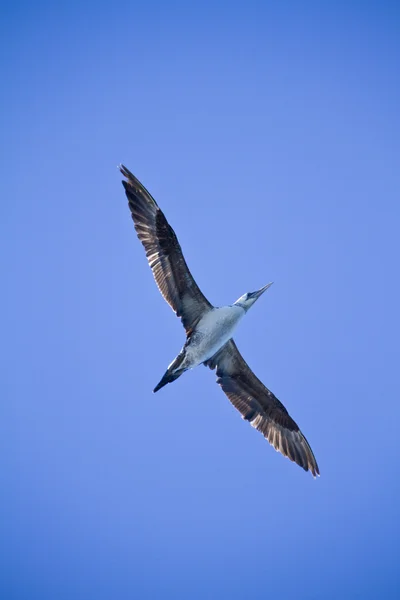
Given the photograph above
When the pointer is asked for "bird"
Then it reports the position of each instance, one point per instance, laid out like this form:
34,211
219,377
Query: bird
209,330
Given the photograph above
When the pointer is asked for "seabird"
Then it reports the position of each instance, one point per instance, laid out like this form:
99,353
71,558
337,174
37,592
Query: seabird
209,330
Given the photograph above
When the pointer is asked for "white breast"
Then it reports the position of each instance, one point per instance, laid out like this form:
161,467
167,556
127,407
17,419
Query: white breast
212,332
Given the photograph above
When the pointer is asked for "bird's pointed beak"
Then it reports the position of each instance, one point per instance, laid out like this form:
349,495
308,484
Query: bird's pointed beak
260,292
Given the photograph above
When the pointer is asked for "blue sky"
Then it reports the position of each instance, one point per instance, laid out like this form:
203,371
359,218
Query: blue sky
270,137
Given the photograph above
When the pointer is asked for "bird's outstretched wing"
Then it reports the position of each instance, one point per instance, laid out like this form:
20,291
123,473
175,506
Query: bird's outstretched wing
259,406
164,254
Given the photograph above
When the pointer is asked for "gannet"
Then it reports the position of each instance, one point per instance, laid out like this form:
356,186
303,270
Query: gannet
209,330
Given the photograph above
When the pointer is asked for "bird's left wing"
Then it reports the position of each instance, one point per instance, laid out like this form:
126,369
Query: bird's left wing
260,407
164,254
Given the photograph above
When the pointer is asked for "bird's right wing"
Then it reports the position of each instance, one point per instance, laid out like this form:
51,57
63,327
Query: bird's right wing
164,254
260,407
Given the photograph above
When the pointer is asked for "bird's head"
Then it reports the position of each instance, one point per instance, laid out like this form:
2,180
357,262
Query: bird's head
247,300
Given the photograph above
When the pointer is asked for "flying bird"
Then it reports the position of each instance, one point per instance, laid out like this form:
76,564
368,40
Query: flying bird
209,330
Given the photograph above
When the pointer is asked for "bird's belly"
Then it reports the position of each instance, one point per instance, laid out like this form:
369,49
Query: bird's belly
213,331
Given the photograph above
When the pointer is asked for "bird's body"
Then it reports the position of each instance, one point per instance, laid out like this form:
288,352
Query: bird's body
212,332
214,329
209,330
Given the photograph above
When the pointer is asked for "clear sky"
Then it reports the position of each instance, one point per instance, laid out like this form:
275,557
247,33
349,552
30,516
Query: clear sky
269,134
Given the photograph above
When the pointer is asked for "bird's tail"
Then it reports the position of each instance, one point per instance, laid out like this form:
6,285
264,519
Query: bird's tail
174,371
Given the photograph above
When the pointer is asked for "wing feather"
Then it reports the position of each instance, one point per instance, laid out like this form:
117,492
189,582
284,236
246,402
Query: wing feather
258,405
164,254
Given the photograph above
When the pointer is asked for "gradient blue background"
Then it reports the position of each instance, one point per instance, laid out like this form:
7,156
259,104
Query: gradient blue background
269,134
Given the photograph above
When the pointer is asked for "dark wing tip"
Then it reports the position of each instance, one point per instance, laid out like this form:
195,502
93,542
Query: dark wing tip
310,464
131,180
292,444
126,172
314,468
132,183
